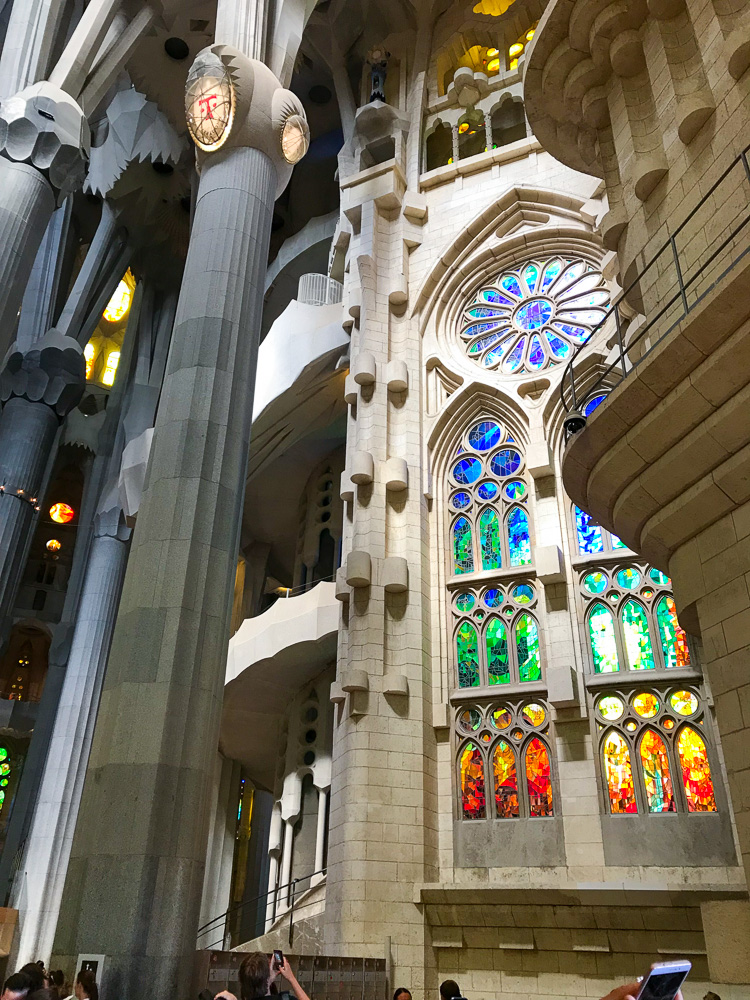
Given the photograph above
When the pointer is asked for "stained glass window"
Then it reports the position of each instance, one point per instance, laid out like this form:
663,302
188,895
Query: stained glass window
472,782
505,463
468,656
602,639
638,649
521,323
463,554
527,649
5,774
684,702
519,542
485,435
538,778
489,539
506,781
696,771
656,778
619,774
498,664
590,538
673,640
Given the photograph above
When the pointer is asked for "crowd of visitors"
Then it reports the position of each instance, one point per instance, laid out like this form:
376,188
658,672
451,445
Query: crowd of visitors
34,982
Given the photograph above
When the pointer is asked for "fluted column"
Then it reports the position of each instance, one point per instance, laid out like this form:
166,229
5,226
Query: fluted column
38,890
37,387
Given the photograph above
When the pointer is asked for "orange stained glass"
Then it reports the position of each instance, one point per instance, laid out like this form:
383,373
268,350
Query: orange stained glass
472,782
538,778
506,781
656,777
696,771
62,513
534,714
646,704
501,718
619,775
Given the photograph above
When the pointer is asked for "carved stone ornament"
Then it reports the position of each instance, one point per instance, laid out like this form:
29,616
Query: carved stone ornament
44,127
52,371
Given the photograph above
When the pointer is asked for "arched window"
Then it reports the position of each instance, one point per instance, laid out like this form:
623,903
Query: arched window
631,620
592,538
509,739
439,147
508,123
472,134
5,773
471,766
88,354
490,532
110,369
647,744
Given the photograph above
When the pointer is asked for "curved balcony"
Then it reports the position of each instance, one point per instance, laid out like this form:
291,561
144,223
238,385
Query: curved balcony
270,658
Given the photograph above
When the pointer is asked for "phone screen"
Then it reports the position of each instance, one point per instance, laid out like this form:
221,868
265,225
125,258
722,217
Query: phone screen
662,986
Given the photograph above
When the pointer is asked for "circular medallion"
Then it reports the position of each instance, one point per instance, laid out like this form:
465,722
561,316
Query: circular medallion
209,102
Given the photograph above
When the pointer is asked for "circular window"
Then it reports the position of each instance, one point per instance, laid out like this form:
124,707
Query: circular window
501,718
613,596
610,708
515,490
659,578
523,593
465,602
595,583
310,736
460,501
505,463
534,714
646,705
493,598
533,314
470,720
485,435
311,715
628,578
488,491
467,471
684,702
309,758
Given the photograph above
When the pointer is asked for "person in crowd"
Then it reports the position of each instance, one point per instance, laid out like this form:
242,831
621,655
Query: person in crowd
85,987
449,989
402,994
257,973
17,987
35,972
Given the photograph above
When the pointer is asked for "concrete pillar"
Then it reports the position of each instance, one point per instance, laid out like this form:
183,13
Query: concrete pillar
217,882
32,27
286,864
38,388
274,849
39,886
159,719
320,833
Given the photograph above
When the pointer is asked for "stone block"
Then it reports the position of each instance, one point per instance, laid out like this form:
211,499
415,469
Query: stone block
337,696
397,376
396,684
358,569
362,469
549,563
562,685
396,475
539,460
346,489
395,575
363,368
415,207
447,937
354,679
350,390
342,588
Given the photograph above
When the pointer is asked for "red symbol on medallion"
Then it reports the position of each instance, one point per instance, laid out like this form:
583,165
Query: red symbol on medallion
208,109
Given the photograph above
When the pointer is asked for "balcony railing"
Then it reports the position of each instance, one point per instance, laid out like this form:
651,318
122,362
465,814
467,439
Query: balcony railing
699,254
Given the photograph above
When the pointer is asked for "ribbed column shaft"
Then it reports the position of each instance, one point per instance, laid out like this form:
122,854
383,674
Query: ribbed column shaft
26,206
38,891
27,433
136,868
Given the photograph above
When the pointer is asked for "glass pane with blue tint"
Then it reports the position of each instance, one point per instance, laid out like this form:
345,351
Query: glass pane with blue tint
519,543
485,435
602,640
589,534
467,471
505,463
638,649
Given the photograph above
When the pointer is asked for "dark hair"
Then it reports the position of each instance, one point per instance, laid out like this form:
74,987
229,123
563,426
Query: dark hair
399,991
449,989
87,979
255,972
45,994
58,977
35,974
18,982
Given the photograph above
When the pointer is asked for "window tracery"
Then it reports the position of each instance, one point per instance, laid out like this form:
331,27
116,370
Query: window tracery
654,753
503,761
534,315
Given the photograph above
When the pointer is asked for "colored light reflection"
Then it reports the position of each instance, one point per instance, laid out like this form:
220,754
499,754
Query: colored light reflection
61,513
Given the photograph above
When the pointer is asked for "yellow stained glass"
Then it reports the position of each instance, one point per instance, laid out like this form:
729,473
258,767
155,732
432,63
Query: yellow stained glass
696,771
110,369
501,718
118,305
646,704
88,354
684,702
534,714
610,707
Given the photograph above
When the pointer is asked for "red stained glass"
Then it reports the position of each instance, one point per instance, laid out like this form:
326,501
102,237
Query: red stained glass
472,782
538,778
506,780
619,775
696,771
656,777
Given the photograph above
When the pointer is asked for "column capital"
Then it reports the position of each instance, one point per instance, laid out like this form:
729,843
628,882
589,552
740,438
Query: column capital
45,128
52,371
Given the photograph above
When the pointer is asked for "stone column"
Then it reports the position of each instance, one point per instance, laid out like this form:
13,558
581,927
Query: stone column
38,388
143,823
39,892
286,864
320,833
274,847
217,882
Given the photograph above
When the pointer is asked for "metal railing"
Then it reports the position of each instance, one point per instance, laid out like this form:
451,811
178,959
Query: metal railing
693,278
212,927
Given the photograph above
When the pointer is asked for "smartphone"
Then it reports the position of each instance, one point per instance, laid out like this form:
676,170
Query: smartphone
278,958
664,980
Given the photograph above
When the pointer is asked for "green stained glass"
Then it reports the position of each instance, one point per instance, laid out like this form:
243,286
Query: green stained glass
489,539
673,640
465,602
595,582
617,543
638,651
659,578
628,578
498,664
602,639
463,554
467,650
527,649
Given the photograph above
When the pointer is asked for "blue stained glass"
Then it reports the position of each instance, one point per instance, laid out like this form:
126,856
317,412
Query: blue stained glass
574,332
589,534
467,471
592,316
515,490
510,283
506,462
510,440
617,543
465,602
551,271
514,358
533,314
536,352
488,491
530,276
493,598
486,327
572,273
482,312
490,295
519,543
597,298
460,501
593,403
483,343
560,348
485,435
496,354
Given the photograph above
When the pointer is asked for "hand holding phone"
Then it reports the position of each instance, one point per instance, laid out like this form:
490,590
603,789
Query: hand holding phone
278,959
664,980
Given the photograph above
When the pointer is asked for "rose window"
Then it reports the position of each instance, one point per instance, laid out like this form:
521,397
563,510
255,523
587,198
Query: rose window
535,315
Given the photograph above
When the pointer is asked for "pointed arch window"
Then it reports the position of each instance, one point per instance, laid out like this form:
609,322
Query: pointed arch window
592,537
468,655
497,635
654,752
631,619
463,551
489,534
509,741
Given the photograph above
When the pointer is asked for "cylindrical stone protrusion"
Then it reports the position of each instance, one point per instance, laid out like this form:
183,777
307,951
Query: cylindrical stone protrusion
363,468
355,679
342,588
346,489
350,390
358,569
396,474
395,575
396,684
397,375
363,368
